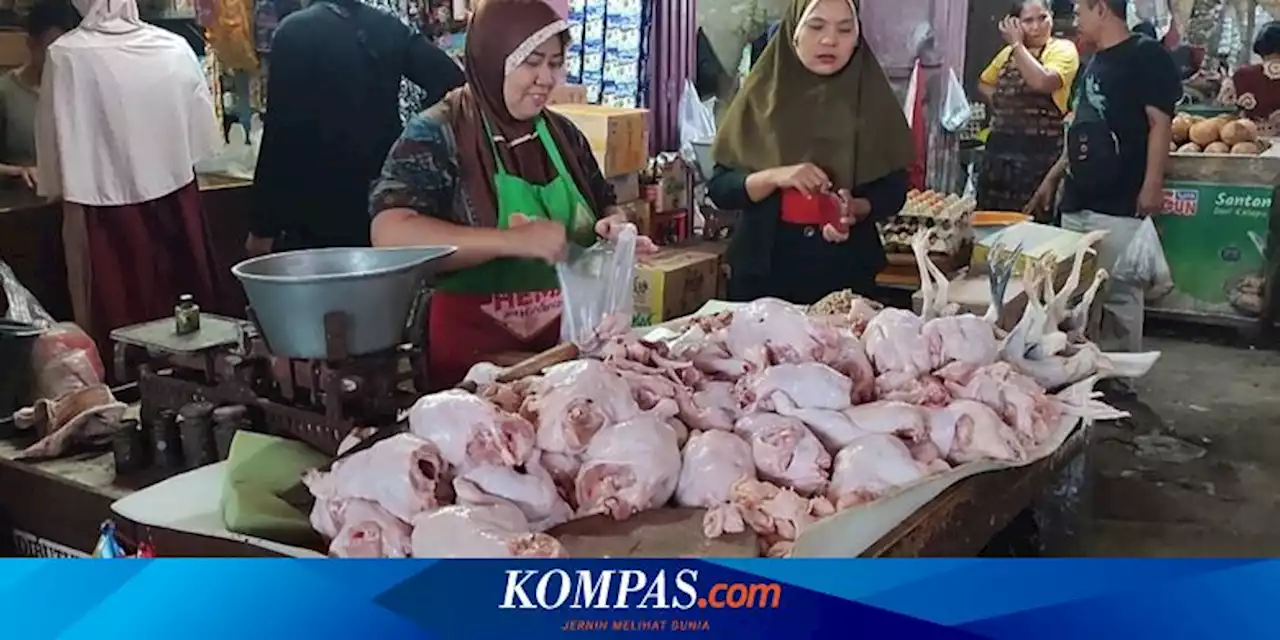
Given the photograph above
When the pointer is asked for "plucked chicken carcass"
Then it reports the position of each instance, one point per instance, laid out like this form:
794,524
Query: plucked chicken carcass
975,431
497,530
1019,400
769,331
366,530
629,467
963,340
707,351
778,515
873,465
850,359
714,461
892,341
833,428
786,452
531,490
574,400
926,390
470,430
403,474
810,385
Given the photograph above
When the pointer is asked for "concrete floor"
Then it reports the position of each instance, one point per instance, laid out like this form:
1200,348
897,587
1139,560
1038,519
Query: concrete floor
1196,472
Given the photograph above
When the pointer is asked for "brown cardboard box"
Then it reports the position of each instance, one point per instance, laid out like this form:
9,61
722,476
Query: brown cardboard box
674,283
626,187
568,94
619,137
718,248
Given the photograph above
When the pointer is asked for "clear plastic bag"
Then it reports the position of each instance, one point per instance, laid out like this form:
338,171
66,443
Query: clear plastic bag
64,359
1143,263
956,109
697,120
595,288
23,306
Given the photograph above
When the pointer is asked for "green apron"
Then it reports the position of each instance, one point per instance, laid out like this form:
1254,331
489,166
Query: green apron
559,201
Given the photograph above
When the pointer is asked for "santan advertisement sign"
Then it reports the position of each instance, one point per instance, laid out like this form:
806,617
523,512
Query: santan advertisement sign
586,591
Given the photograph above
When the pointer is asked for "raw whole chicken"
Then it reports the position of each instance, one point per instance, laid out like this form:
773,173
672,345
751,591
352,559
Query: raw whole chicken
907,421
532,491
979,433
629,467
403,474
772,331
576,399
497,530
470,430
786,452
833,428
367,531
850,359
811,385
924,390
1020,402
893,343
778,515
870,467
708,353
713,406
964,339
713,462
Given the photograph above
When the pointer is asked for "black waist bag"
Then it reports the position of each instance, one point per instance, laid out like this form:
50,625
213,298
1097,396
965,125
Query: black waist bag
1093,155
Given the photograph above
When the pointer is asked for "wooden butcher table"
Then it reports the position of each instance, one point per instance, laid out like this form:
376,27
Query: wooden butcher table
64,501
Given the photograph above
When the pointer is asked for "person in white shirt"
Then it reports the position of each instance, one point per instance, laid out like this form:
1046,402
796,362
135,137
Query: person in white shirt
125,114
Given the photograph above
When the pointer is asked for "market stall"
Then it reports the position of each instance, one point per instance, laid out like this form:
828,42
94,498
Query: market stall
236,402
1215,228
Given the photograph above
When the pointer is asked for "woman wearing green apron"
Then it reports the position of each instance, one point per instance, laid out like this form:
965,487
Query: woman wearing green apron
510,184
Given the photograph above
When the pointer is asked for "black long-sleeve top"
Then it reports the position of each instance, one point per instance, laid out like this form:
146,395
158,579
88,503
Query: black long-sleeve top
333,113
755,245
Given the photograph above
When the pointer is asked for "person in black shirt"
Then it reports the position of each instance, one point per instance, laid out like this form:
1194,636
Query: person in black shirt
1112,171
333,112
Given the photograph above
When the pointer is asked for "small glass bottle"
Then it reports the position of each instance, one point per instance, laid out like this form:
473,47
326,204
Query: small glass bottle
186,315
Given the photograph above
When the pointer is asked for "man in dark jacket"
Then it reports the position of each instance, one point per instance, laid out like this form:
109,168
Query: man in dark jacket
332,115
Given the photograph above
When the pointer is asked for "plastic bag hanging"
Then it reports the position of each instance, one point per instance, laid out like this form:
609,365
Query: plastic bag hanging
956,109
595,288
1142,263
697,121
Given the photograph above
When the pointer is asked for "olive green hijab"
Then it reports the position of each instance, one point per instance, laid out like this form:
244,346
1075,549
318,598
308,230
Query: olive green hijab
849,124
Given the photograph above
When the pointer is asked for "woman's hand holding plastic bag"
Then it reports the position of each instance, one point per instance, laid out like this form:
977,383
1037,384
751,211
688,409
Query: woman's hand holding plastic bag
595,286
609,229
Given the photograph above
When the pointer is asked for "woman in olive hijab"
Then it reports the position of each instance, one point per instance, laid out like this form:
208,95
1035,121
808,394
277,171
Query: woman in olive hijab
814,151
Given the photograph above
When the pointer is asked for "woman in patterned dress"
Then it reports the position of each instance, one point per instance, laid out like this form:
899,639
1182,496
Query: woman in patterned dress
1027,85
490,171
1256,88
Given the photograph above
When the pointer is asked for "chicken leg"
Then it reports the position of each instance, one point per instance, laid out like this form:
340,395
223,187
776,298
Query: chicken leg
1077,319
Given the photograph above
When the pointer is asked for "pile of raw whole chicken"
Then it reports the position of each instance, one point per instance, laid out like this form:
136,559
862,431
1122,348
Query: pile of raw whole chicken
770,417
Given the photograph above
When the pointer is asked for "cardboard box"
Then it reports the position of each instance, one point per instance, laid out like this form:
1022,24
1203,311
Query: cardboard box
568,94
626,187
619,137
720,249
1036,240
674,283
